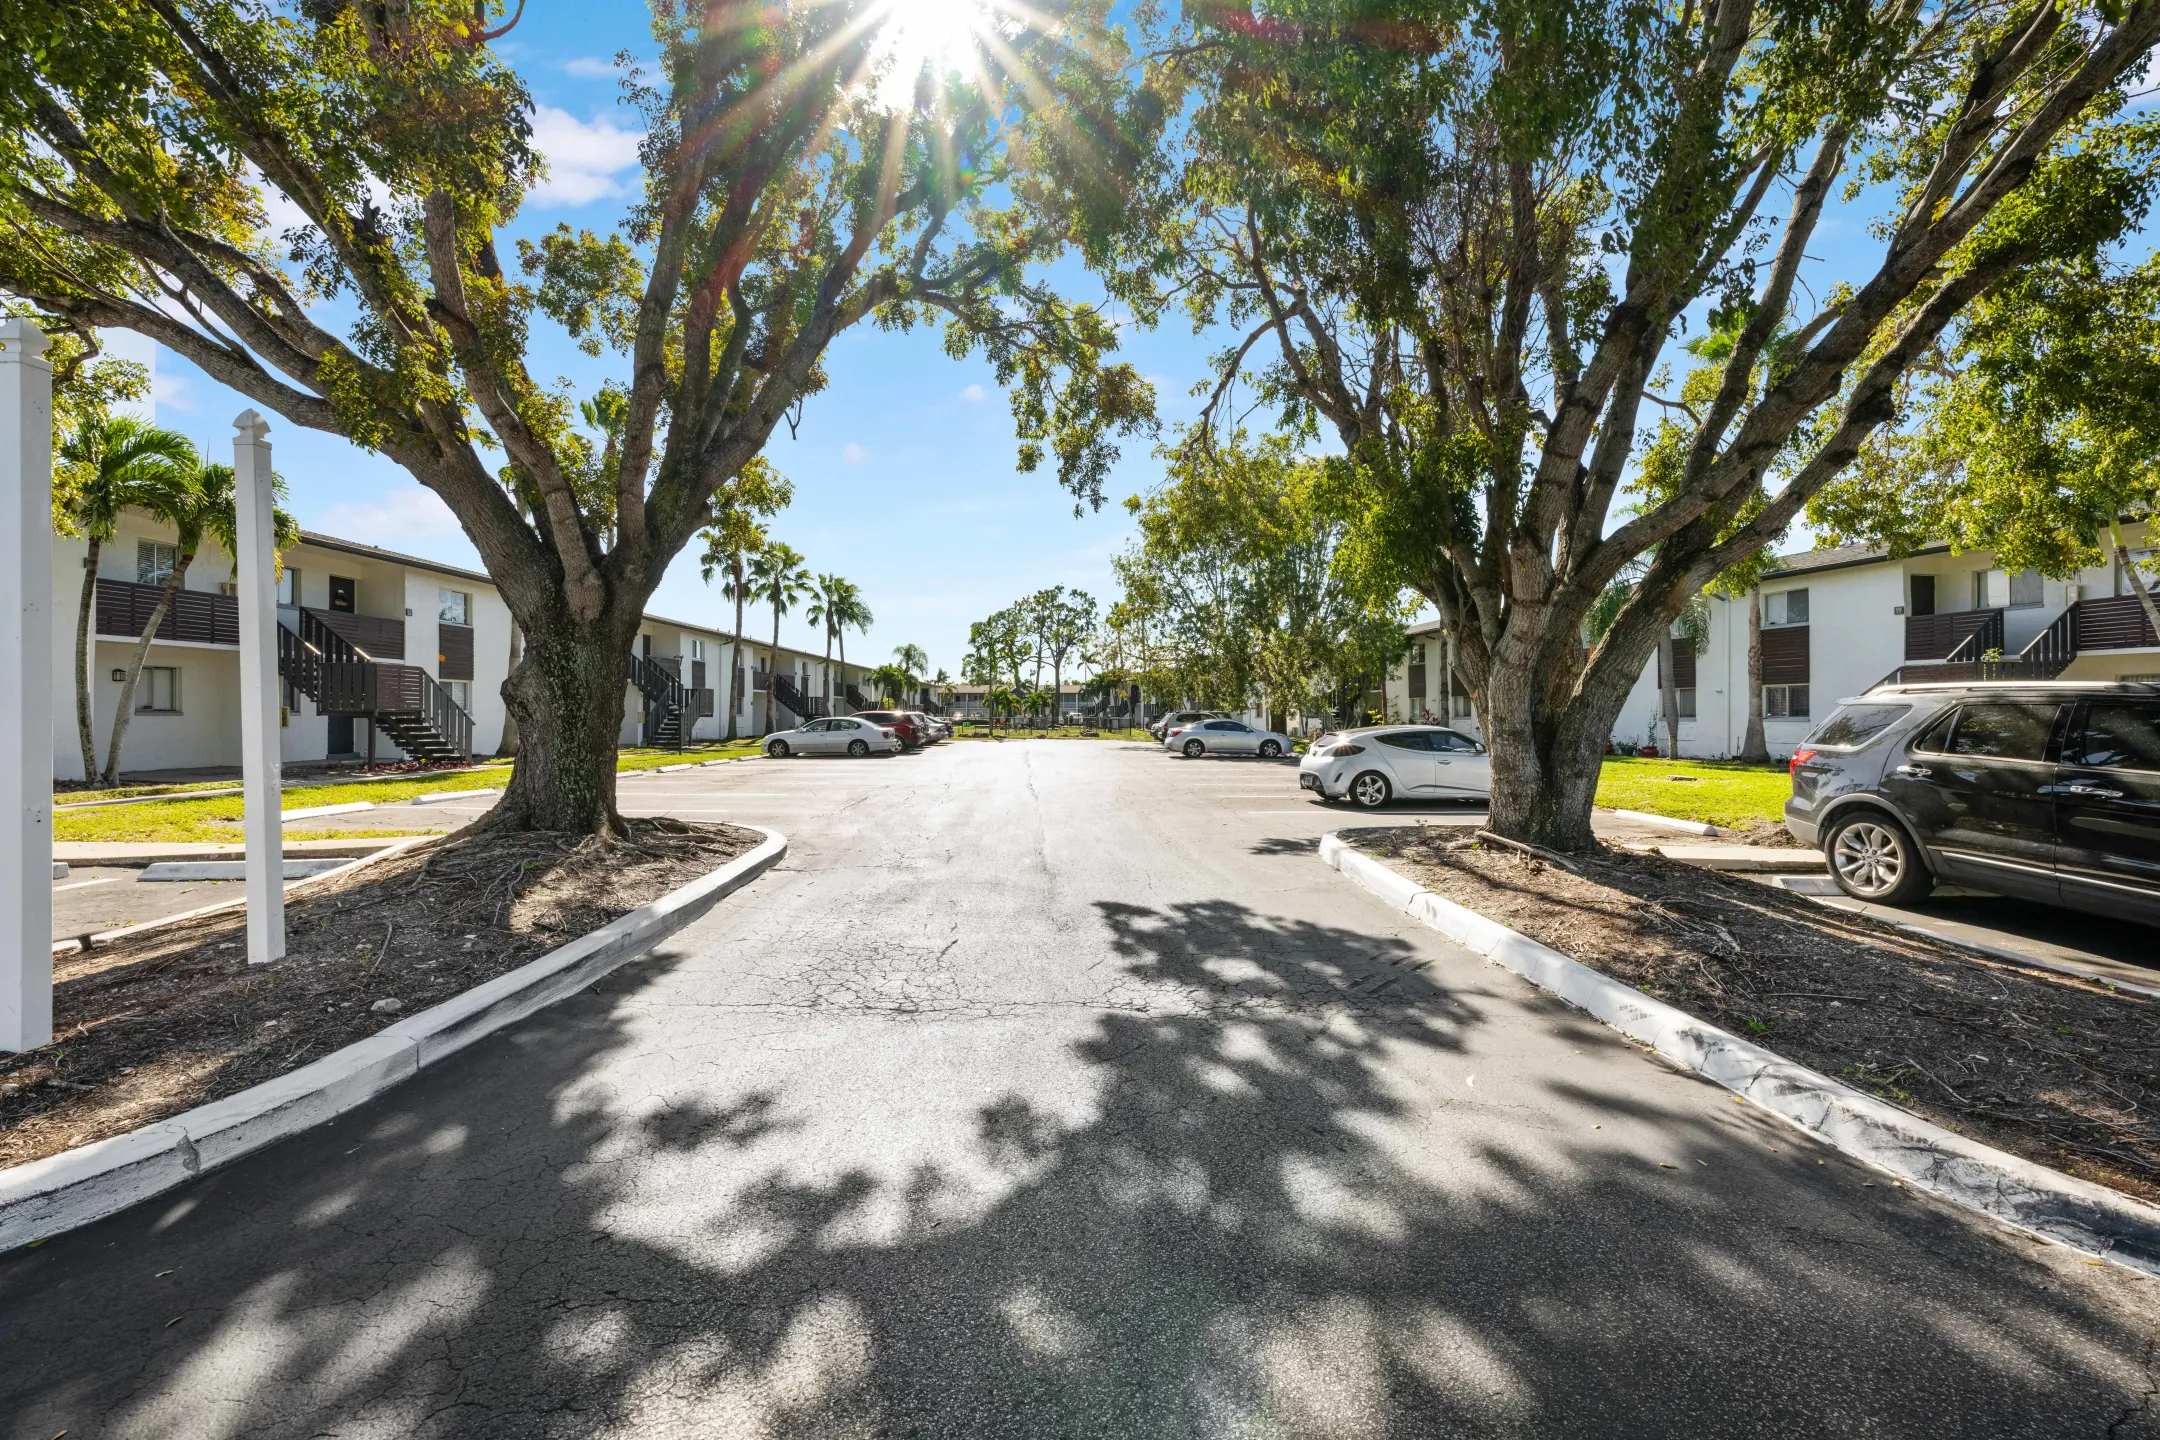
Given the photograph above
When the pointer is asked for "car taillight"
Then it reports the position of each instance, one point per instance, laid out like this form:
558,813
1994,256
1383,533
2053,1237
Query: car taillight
886,733
1799,758
1347,750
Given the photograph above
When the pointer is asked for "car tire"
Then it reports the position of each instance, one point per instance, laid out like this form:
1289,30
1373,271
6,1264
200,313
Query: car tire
1370,790
1271,750
1193,748
778,749
858,748
1874,858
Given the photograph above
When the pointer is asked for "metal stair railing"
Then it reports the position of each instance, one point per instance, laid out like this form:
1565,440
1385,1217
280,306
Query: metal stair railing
856,701
663,691
2049,654
803,706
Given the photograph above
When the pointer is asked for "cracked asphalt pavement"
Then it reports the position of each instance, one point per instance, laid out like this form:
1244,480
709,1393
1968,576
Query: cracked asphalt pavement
1055,1089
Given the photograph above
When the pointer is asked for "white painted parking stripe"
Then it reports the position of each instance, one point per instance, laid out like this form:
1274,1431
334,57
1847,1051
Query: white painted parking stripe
85,884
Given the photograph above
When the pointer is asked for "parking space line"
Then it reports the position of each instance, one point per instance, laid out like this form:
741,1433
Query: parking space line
86,884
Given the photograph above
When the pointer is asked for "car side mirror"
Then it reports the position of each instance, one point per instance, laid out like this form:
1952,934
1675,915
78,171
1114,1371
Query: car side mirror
1477,747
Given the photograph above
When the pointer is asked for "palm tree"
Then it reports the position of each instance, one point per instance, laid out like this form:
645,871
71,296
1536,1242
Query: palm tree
852,614
778,577
912,660
827,593
892,683
729,544
202,505
106,466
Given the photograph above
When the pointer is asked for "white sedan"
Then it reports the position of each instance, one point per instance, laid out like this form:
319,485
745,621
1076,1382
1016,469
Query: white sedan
1388,762
841,735
1226,737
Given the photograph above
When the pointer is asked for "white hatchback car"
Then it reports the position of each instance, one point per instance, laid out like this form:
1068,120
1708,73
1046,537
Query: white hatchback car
841,735
1388,762
1226,737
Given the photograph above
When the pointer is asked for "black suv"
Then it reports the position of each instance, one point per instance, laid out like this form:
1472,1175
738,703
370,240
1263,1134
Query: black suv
2045,790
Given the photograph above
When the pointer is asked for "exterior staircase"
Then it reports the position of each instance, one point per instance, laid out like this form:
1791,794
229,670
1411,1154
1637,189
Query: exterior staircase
804,707
399,700
855,699
666,700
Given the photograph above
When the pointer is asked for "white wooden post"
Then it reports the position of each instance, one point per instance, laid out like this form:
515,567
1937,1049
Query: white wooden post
26,687
255,574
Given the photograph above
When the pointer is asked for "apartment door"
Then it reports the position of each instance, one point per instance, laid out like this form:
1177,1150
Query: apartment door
344,594
1923,594
341,735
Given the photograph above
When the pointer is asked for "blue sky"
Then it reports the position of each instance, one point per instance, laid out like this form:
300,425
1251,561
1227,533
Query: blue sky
903,467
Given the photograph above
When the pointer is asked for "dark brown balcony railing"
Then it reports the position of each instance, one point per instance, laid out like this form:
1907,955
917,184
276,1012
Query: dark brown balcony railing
199,617
1933,637
2114,622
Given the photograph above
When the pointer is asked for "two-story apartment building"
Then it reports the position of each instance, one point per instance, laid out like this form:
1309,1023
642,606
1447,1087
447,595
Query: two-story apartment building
1837,621
380,654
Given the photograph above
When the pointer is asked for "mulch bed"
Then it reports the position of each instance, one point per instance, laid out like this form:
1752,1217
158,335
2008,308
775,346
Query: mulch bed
159,1023
2059,1070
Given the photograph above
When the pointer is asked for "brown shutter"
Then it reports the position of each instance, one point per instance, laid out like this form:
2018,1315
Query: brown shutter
454,652
1785,655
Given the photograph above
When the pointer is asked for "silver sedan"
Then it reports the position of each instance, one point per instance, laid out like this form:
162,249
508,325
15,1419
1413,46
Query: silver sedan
841,735
1226,737
1387,762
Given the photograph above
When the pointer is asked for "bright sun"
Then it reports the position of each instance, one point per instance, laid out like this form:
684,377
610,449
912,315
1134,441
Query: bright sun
942,34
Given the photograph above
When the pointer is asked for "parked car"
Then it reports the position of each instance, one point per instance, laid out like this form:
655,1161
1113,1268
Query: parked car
931,728
1225,736
900,723
2046,790
1374,765
854,735
1163,724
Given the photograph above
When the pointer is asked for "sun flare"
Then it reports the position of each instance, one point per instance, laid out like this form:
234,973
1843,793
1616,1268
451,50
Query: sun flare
940,35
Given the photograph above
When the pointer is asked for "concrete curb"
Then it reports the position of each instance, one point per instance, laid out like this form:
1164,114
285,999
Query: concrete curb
1666,822
50,1196
177,870
2031,1197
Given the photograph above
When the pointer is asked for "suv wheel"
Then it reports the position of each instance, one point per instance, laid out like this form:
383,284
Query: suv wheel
1873,858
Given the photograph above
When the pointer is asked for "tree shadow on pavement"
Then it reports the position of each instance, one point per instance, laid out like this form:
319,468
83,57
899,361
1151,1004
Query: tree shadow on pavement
1268,1220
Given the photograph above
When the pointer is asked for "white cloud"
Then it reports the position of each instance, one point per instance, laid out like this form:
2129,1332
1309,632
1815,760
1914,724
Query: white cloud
974,394
170,392
590,67
583,157
398,518
851,454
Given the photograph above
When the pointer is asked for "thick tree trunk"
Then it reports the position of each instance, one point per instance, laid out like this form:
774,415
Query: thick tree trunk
843,664
125,710
508,745
1669,693
85,719
567,698
828,671
1545,764
1753,747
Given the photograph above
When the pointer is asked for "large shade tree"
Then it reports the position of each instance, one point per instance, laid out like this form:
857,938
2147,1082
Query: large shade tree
1458,240
808,167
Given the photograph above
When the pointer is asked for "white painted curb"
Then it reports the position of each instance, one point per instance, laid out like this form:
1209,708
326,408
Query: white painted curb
309,812
450,797
231,869
1666,822
47,1197
2032,1197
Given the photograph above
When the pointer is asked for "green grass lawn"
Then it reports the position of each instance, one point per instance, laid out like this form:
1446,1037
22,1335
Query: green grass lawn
219,819
1720,792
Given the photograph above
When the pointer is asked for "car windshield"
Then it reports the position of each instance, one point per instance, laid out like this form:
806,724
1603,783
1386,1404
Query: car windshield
1853,725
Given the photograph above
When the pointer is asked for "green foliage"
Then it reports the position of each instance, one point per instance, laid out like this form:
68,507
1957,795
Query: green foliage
1249,574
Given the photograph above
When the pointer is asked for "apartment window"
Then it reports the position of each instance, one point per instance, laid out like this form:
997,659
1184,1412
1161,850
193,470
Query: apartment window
2144,570
155,561
2025,589
1686,698
1784,702
158,692
1785,607
344,594
453,607
697,648
1991,590
460,693
288,586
